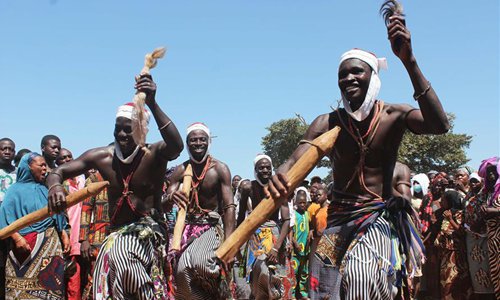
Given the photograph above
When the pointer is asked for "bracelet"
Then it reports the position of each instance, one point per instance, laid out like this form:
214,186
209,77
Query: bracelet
417,97
165,126
18,239
55,184
274,249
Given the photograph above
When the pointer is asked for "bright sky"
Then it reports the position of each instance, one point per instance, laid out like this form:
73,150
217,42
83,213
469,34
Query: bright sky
237,66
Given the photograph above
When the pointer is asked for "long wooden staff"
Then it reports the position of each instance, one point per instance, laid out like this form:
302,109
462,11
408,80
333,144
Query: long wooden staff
322,145
43,213
181,216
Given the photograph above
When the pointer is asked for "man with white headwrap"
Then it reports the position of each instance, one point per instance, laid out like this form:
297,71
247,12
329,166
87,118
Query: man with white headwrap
265,254
356,257
129,264
210,218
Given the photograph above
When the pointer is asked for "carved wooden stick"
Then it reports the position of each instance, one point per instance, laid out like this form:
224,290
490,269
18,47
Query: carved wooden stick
322,145
181,216
43,213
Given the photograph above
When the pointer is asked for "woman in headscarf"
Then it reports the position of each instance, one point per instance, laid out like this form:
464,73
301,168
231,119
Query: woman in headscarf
35,264
450,243
419,188
477,240
489,170
430,229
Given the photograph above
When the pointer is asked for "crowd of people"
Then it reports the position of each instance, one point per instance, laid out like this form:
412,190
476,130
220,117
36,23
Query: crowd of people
374,232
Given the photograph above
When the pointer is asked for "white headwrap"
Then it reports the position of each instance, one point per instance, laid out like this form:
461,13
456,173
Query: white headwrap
373,89
475,176
204,128
301,188
127,111
423,180
255,161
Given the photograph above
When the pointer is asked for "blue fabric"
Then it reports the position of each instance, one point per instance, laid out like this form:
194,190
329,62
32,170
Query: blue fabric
26,196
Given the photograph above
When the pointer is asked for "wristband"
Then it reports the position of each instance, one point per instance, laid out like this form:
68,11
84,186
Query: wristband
417,97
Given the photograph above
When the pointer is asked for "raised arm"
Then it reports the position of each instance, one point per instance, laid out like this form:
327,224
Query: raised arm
172,144
227,198
431,118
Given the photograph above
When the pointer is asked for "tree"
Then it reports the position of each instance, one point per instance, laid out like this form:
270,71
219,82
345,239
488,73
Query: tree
283,138
445,152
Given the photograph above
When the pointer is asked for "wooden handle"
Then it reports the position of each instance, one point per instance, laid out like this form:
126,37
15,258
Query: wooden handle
322,145
181,215
43,213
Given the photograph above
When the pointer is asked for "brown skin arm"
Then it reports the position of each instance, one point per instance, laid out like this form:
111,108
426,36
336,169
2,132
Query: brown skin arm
431,118
174,195
20,243
285,227
172,144
57,197
279,182
401,181
246,188
226,195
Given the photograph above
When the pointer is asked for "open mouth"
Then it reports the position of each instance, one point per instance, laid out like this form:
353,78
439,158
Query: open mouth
352,89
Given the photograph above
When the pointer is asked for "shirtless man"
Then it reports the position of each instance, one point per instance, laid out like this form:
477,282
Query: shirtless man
198,274
363,159
265,254
128,255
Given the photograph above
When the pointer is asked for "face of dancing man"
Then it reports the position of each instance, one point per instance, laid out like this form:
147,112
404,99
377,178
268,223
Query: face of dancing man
354,79
123,135
264,170
197,142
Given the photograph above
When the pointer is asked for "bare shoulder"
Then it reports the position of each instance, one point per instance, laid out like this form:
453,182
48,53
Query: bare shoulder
99,153
320,125
220,167
398,109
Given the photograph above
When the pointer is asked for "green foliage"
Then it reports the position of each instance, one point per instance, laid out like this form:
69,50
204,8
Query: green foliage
445,152
282,139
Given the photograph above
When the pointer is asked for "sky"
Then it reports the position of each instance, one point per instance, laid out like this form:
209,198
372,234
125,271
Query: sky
237,66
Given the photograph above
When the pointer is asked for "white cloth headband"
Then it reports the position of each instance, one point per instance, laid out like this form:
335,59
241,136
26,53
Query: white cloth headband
260,157
373,89
255,161
373,61
204,128
127,111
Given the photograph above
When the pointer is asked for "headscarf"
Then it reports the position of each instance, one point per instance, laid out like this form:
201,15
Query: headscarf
204,128
423,180
374,87
258,158
465,169
476,176
26,196
301,188
493,161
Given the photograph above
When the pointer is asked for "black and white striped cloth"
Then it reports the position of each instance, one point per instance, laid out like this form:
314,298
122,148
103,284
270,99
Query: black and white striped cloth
198,274
367,272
